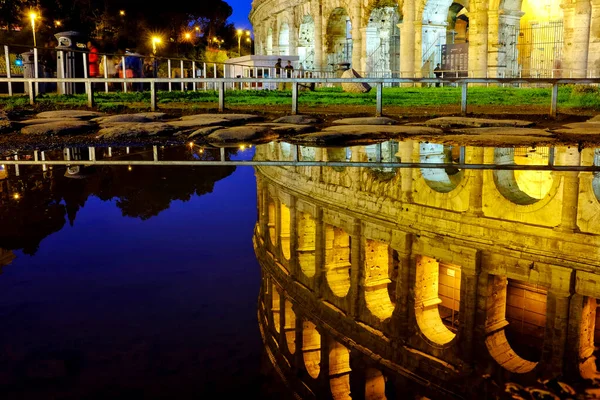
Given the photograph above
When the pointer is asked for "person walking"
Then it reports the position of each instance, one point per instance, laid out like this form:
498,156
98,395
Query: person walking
93,61
438,74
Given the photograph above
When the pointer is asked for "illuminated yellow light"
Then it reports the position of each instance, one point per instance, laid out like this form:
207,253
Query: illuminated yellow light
156,40
188,35
242,147
239,31
32,15
57,23
122,12
16,196
129,168
191,144
197,28
201,151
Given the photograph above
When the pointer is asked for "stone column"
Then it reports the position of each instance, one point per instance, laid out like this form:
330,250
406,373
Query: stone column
570,201
508,57
357,38
478,40
358,259
594,46
318,37
470,270
418,49
293,240
355,172
320,269
476,183
402,243
557,321
264,207
576,38
363,51
494,45
406,152
293,27
407,41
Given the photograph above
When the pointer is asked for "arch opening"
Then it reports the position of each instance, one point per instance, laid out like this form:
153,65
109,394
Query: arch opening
284,39
523,187
437,299
269,42
589,340
306,244
339,38
383,43
338,262
443,180
374,385
284,233
276,308
272,215
510,327
339,370
311,349
290,327
378,266
306,43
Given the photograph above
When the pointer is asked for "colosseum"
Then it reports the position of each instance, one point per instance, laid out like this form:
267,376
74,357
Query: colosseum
385,38
449,281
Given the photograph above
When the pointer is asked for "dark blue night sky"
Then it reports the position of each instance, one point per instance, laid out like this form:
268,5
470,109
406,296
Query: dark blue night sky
241,9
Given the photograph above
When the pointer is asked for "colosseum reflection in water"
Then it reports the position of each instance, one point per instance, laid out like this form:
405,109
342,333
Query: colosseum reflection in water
448,281
387,38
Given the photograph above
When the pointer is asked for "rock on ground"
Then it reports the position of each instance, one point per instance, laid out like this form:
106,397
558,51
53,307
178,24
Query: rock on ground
239,118
285,129
366,121
80,114
136,130
75,127
349,87
297,119
122,118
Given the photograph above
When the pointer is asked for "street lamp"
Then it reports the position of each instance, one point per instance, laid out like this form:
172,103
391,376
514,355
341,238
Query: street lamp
239,35
155,41
33,16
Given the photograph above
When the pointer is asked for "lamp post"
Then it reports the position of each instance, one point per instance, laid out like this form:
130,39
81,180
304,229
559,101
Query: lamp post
239,35
33,16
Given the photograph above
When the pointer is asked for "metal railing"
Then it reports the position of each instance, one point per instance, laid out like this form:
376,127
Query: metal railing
220,84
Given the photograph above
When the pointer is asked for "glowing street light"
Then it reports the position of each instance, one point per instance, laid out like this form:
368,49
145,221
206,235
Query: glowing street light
239,35
155,40
33,16
122,12
187,36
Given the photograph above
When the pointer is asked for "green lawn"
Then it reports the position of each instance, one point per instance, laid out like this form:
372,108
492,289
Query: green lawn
569,96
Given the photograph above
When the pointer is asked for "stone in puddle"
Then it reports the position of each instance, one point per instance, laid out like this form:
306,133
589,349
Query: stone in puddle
36,121
205,131
74,127
241,135
122,118
366,121
136,130
238,118
297,119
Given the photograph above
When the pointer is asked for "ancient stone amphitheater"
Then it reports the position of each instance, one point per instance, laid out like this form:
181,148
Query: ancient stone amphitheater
529,38
379,283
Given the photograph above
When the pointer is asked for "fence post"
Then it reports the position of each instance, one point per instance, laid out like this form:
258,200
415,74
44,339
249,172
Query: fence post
378,100
7,58
169,71
554,100
153,95
294,98
89,89
31,93
181,74
105,61
124,74
36,72
194,75
221,95
463,98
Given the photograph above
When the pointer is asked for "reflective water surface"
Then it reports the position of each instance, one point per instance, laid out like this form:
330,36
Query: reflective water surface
299,281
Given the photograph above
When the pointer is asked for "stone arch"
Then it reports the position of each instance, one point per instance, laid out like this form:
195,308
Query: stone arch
269,42
306,42
383,42
337,260
339,38
433,33
441,180
289,327
306,244
458,23
430,275
522,187
498,342
276,308
271,224
284,39
284,231
311,349
377,279
596,178
339,370
374,385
